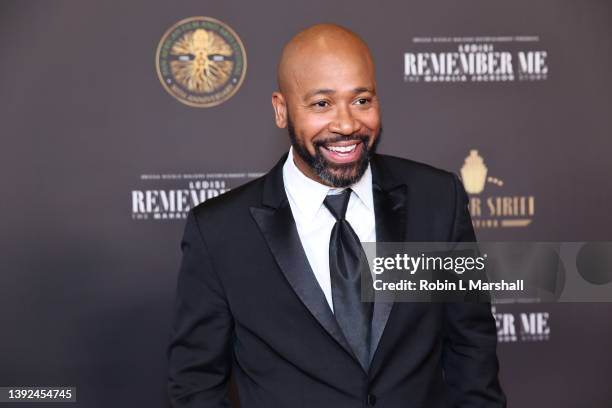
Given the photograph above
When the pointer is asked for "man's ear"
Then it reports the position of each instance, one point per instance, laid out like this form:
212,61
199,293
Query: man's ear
280,109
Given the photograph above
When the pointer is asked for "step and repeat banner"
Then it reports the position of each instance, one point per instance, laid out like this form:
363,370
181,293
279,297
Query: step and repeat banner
118,117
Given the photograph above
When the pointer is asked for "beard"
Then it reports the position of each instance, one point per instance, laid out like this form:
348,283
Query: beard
334,174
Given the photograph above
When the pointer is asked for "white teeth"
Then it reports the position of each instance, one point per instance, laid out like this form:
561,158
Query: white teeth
342,149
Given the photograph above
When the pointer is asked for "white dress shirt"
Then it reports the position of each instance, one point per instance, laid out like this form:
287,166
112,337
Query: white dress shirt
314,221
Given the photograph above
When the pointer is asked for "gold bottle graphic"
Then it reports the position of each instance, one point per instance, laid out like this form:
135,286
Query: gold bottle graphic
474,173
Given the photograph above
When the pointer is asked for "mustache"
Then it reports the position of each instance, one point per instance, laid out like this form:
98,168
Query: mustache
336,139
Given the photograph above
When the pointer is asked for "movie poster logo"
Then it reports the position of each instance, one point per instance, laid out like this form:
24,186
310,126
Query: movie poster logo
201,61
162,197
492,203
476,59
529,326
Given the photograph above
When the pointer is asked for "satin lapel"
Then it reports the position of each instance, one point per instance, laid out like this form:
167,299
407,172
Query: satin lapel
390,213
277,225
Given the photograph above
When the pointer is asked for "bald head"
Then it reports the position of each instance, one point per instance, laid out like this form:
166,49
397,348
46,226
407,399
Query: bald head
329,43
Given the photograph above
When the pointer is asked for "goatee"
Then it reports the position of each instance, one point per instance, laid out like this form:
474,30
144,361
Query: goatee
334,174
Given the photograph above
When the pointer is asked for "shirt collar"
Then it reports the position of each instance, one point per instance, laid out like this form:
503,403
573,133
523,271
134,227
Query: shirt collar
308,194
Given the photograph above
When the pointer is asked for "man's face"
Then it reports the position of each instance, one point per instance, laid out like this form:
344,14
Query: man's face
332,115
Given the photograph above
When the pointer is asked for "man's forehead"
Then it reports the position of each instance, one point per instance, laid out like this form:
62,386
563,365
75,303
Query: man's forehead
328,73
323,53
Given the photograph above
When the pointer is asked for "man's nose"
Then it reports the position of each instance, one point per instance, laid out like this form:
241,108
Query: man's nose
344,122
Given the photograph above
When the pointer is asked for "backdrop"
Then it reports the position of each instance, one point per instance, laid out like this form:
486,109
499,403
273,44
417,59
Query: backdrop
103,152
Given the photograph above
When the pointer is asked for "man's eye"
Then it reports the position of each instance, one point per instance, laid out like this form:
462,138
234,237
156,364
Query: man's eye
321,104
362,101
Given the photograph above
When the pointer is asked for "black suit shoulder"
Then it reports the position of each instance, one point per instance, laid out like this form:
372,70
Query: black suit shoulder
226,220
230,203
414,173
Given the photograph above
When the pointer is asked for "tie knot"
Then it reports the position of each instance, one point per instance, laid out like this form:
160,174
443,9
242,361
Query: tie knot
338,203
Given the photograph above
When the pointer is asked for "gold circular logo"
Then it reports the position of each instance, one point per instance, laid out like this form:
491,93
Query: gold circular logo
201,61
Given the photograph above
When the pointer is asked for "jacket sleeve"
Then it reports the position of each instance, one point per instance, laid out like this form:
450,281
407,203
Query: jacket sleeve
199,353
470,356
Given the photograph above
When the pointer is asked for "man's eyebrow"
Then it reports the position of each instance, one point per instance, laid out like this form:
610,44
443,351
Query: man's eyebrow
323,91
362,89
326,91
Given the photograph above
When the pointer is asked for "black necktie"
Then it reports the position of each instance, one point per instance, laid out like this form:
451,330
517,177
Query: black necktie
348,267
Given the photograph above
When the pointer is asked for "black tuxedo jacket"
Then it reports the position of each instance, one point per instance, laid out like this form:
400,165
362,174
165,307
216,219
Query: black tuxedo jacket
249,304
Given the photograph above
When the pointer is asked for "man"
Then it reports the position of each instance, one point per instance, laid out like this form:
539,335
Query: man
264,292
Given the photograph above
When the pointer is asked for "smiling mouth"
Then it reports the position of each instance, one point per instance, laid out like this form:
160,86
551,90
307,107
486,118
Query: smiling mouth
342,152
